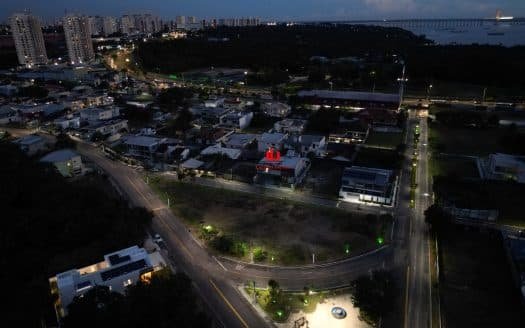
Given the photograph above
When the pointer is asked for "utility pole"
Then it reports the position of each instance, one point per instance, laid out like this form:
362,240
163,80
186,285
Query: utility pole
313,258
484,94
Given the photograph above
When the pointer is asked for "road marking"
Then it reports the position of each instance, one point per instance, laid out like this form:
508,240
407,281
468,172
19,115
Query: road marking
239,267
228,303
219,263
406,296
137,189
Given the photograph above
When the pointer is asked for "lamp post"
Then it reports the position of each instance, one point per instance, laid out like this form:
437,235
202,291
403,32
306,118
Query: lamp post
429,89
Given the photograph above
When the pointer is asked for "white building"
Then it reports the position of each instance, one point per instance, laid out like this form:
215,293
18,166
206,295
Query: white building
95,25
107,128
274,169
310,144
506,167
78,39
238,140
236,119
118,271
214,103
66,161
219,150
127,24
67,122
276,109
99,114
291,126
29,41
364,184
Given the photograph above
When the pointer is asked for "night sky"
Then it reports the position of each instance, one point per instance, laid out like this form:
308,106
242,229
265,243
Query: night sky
271,9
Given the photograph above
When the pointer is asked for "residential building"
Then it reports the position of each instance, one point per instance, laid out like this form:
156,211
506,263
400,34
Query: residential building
306,143
99,114
31,144
236,119
364,184
267,140
290,126
96,25
288,170
29,41
78,39
506,167
8,90
276,109
66,161
118,271
214,102
127,24
239,140
218,149
142,146
8,115
67,122
106,128
109,25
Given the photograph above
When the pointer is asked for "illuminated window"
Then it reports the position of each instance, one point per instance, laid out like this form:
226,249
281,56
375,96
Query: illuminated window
127,283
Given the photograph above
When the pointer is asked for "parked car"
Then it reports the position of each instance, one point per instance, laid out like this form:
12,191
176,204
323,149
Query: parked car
338,312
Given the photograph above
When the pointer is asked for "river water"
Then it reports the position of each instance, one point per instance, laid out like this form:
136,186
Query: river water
489,33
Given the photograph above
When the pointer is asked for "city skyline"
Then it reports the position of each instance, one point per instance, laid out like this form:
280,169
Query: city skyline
275,9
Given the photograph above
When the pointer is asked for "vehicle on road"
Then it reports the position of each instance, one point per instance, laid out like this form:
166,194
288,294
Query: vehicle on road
338,312
157,238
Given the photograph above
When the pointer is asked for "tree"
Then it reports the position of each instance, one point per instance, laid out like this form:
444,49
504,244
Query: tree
436,217
180,123
374,295
33,91
274,289
64,141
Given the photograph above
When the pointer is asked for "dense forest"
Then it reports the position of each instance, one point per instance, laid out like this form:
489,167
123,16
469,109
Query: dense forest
50,225
291,48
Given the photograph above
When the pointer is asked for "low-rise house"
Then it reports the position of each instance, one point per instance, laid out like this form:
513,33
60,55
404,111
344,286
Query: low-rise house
8,90
290,126
288,170
267,140
306,143
106,128
220,150
32,144
66,161
239,141
67,122
214,103
142,146
276,109
99,114
118,271
236,119
506,167
8,115
364,184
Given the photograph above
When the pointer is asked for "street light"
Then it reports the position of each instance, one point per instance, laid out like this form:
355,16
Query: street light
429,89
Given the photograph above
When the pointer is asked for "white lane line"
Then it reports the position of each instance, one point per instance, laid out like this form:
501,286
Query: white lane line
219,263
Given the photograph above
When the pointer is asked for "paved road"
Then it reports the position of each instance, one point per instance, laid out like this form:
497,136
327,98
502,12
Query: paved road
418,304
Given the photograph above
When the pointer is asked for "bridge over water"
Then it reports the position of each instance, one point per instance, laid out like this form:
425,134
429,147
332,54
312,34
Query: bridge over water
435,23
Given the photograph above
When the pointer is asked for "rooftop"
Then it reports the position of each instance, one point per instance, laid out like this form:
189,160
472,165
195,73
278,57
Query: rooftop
144,141
351,95
59,156
29,140
366,175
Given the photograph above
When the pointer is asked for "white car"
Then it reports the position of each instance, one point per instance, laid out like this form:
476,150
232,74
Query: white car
157,238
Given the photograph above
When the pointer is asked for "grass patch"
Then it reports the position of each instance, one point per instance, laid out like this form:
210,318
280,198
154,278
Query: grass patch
378,158
476,284
465,141
454,166
268,230
384,139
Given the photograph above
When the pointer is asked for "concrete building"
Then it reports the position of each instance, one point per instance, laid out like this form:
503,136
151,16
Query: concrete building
353,133
276,109
67,122
506,167
266,141
142,146
29,41
99,114
106,128
236,119
67,162
220,150
306,143
288,170
31,144
239,140
8,115
109,25
96,25
78,39
127,24
118,271
290,126
363,184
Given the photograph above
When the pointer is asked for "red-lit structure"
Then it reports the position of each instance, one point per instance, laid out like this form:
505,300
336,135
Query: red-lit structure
273,155
276,169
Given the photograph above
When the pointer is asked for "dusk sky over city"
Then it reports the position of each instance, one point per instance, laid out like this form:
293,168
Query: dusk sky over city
275,9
